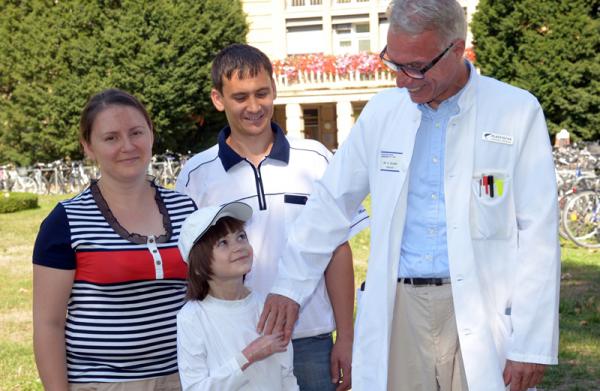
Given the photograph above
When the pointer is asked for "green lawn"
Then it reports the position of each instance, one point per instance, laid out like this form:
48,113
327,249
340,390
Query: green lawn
579,367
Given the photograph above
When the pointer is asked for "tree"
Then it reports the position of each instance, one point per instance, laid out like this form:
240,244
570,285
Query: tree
552,49
55,54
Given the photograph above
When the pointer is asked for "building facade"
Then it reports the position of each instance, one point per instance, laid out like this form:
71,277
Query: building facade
325,57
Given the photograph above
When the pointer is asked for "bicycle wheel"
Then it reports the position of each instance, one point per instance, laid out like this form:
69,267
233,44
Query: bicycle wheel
581,219
75,185
25,184
562,201
43,187
56,185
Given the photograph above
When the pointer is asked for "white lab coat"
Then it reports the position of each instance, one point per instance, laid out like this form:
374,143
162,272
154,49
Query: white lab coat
504,252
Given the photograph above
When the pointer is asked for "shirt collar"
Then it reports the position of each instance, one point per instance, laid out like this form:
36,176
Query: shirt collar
449,105
229,158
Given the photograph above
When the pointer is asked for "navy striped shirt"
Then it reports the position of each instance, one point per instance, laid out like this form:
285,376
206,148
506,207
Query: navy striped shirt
128,288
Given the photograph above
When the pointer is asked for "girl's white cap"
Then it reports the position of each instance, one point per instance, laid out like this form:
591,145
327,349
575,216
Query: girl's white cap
196,224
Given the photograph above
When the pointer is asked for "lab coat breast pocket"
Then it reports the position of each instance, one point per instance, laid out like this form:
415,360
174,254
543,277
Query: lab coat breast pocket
491,212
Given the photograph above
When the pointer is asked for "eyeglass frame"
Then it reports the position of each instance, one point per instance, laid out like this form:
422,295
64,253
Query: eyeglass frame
395,66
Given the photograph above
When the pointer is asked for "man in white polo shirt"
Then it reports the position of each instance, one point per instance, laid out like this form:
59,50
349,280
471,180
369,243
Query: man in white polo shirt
256,163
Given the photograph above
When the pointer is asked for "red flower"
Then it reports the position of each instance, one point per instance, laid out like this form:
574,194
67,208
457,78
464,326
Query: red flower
318,63
470,54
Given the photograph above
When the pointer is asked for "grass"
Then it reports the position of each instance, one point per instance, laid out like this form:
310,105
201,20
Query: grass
18,231
579,356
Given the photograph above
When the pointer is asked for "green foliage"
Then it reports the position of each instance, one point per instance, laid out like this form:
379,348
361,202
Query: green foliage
552,49
14,202
55,54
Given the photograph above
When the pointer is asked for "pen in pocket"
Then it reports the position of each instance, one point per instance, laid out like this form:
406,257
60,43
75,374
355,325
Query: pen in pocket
500,187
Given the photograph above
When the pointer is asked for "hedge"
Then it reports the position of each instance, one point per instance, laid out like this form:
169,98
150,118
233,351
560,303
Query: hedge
14,202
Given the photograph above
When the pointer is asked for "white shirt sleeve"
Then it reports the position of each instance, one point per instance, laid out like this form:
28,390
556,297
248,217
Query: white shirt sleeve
193,365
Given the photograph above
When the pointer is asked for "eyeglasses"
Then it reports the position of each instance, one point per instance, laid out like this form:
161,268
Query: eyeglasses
411,72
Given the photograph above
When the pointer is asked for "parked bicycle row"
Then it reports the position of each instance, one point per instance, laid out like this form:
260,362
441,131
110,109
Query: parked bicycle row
577,178
579,202
577,175
583,156
62,177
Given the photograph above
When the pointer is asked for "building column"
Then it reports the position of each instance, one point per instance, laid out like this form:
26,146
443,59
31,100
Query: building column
327,27
294,120
344,120
374,28
279,44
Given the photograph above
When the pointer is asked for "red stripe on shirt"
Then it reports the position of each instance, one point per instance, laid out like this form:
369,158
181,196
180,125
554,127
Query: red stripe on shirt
107,267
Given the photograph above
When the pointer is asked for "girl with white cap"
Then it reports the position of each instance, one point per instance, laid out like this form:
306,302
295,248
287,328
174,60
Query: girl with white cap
217,343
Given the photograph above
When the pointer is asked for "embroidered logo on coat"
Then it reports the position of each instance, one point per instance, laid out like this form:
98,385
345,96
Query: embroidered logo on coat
497,138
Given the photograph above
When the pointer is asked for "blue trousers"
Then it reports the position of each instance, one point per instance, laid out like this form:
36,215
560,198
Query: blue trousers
312,362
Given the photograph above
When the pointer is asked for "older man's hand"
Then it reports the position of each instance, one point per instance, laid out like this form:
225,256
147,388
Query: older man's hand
522,375
279,314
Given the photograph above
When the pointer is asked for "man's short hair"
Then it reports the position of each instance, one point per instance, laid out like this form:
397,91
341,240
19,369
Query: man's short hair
414,17
241,60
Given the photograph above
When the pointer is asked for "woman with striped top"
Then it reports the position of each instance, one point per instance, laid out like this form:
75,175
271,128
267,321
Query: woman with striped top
108,279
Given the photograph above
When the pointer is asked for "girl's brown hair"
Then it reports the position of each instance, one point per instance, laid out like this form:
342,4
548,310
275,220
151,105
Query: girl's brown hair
201,256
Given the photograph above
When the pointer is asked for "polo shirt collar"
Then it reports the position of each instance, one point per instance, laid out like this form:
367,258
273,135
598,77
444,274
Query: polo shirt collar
229,157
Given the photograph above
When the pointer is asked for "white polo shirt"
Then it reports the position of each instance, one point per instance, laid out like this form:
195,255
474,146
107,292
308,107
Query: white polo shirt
276,190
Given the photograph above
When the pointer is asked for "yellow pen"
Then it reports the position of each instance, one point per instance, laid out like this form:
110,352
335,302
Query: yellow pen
499,183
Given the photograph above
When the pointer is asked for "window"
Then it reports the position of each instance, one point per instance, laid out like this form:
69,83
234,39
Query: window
311,123
305,39
351,38
303,3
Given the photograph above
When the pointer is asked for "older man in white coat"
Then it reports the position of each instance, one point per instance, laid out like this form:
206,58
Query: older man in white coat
463,280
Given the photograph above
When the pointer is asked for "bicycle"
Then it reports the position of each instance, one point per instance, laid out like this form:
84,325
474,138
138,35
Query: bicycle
78,179
57,182
42,184
581,219
166,169
4,179
20,182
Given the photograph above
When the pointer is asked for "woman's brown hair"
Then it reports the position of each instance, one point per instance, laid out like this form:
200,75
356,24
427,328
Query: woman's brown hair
201,256
102,100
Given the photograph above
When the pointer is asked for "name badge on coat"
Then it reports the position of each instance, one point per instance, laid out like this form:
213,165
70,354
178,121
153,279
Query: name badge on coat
390,161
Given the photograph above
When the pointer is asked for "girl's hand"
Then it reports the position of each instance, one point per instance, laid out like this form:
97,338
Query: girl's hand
264,346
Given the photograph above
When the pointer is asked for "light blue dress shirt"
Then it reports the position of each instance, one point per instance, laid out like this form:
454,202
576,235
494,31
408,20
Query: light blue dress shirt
424,249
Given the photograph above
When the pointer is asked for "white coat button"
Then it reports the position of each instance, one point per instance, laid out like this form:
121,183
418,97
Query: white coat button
437,124
434,160
460,277
434,196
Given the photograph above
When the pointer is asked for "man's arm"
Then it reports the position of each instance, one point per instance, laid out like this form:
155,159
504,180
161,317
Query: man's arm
322,225
339,280
534,307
